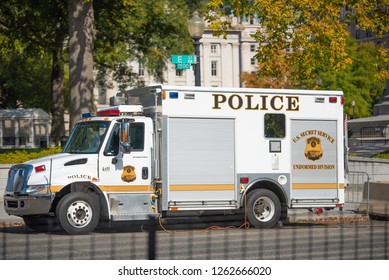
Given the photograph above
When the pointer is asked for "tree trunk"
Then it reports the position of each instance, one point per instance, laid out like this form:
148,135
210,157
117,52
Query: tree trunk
57,107
81,39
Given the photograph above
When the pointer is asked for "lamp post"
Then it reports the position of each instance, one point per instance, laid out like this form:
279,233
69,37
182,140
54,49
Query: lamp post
353,106
196,28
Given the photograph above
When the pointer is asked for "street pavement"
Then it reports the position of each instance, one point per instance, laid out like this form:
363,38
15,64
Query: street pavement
367,149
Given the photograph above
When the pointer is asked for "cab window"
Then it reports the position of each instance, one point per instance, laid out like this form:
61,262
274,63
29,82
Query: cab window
274,125
137,136
112,148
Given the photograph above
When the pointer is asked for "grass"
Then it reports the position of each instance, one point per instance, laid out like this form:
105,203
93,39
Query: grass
13,156
384,155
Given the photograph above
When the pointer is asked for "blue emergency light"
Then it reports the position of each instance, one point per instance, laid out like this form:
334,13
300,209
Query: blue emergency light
86,115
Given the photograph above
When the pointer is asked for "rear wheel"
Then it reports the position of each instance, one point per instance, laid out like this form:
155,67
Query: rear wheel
263,208
78,213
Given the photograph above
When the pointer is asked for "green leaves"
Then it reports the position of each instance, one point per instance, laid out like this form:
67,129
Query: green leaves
302,38
140,30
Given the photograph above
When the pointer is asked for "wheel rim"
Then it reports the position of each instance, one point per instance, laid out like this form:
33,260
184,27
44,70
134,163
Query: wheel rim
264,209
79,214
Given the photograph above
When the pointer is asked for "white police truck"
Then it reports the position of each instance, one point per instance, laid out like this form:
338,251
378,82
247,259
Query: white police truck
174,151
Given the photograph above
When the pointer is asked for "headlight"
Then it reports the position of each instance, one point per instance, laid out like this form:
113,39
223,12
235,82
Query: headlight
37,188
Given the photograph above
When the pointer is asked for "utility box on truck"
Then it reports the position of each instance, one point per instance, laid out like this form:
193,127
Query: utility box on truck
178,151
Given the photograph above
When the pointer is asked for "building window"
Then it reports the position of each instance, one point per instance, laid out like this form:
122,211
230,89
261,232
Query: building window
213,68
141,70
252,48
214,48
358,34
252,62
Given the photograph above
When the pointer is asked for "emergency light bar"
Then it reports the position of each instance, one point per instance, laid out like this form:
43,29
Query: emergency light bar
120,110
108,113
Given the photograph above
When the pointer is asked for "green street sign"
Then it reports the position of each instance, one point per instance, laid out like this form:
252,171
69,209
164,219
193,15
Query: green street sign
183,59
183,66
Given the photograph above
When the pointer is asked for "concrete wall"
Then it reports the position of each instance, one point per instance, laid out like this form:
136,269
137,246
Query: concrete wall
378,169
3,177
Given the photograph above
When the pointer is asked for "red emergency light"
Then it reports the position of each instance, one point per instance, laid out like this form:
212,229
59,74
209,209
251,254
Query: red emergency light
114,112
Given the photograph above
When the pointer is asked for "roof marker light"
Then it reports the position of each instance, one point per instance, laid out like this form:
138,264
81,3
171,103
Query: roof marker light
173,95
333,99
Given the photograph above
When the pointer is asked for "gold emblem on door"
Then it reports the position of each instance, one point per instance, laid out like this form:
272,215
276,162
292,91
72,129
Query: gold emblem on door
313,150
128,174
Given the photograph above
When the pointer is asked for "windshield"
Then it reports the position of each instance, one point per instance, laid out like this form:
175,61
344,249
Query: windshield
87,137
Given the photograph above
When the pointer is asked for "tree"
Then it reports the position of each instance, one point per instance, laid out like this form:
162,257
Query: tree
102,35
24,78
145,31
40,28
123,31
305,38
81,40
359,81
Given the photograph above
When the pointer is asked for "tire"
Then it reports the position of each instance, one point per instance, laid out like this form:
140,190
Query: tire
78,213
263,208
41,223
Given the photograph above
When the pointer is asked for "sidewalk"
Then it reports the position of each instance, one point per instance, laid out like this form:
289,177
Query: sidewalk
5,218
348,212
367,149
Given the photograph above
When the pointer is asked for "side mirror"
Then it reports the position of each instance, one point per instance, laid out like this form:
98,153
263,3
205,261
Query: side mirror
125,137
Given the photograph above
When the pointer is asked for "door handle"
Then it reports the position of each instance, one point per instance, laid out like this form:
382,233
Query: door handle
145,173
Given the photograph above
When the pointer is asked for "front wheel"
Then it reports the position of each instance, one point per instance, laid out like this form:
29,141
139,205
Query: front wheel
263,208
40,223
78,213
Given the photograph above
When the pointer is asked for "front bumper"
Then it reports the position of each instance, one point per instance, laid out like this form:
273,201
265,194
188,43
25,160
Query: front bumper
27,205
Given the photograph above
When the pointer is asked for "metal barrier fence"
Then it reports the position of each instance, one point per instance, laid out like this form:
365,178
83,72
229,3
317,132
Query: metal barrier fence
303,241
358,183
307,237
374,134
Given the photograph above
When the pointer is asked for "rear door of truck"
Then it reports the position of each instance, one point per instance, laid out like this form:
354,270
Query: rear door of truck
314,162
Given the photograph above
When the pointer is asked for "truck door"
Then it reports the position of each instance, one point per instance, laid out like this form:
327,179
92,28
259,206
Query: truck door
127,172
314,161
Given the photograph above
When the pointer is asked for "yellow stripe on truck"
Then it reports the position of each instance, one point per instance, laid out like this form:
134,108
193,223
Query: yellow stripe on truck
226,187
130,188
317,186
